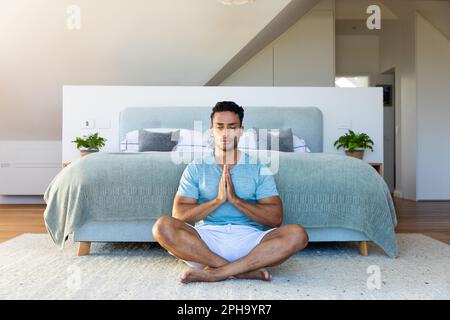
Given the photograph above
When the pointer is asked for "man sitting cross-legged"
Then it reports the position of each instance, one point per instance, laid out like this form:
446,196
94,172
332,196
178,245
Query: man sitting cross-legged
237,211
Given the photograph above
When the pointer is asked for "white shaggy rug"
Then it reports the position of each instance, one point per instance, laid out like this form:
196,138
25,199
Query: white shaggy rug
31,267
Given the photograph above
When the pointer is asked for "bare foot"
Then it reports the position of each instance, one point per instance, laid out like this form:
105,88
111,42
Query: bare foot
200,275
209,275
259,274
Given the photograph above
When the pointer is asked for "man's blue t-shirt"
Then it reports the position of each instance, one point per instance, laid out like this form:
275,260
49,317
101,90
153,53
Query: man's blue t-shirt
200,180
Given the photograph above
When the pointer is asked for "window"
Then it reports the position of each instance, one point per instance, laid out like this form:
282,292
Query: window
352,82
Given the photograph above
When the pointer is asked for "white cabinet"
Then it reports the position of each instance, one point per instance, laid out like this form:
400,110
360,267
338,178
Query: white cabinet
27,167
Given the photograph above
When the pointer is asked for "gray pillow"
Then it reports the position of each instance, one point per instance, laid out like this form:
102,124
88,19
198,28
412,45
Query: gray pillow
157,141
285,143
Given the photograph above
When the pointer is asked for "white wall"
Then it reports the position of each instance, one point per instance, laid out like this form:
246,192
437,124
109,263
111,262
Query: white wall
165,42
433,112
420,55
258,71
398,50
360,54
357,108
302,56
357,54
408,97
390,47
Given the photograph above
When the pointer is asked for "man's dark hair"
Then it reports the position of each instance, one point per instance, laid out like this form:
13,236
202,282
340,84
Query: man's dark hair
228,106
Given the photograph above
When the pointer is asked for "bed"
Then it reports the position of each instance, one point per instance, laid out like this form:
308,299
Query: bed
117,197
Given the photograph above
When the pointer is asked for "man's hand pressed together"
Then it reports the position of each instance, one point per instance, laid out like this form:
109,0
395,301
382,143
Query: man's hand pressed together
231,196
222,192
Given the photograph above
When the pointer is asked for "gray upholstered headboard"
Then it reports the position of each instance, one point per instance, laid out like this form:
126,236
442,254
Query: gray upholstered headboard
306,122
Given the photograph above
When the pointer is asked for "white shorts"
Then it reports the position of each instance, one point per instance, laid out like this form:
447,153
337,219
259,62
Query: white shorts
231,242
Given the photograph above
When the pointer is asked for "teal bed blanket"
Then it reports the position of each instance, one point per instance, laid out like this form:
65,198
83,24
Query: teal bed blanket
317,190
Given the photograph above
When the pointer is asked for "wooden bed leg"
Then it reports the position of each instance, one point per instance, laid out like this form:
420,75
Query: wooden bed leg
364,248
84,249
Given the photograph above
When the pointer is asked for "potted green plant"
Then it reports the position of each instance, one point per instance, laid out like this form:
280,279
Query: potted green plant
89,144
354,144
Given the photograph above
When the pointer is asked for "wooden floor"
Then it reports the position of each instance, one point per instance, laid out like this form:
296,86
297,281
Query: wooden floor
18,219
430,218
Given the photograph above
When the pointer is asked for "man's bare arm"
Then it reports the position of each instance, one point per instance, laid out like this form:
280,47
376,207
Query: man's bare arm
187,209
268,211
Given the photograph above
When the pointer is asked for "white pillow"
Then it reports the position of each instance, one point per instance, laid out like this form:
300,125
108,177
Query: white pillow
191,148
187,138
191,140
248,140
299,145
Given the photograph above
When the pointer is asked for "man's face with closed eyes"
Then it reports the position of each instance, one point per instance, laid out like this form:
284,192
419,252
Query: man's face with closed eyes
227,130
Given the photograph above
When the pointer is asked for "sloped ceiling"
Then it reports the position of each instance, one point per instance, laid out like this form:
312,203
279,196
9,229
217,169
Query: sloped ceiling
135,42
435,11
351,14
281,23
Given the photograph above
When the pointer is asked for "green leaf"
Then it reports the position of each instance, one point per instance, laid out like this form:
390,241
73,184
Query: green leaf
352,141
91,142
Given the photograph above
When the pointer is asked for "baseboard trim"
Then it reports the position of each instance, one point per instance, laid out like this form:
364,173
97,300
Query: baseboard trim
38,199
